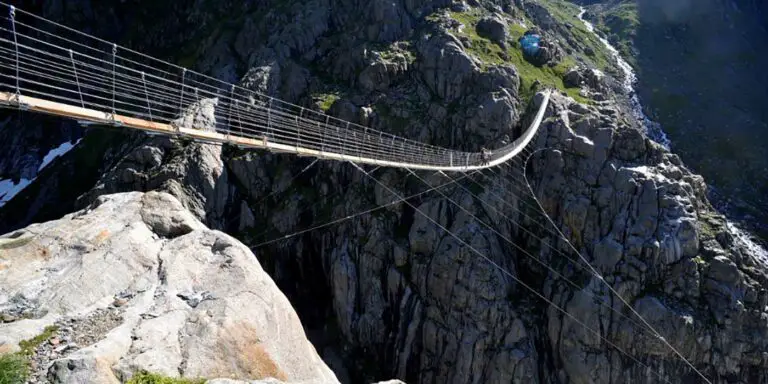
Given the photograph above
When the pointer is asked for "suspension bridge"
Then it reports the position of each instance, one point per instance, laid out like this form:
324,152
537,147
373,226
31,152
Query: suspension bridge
92,80
95,81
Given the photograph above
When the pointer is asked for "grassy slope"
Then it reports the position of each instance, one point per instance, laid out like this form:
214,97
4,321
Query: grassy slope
620,22
567,13
490,53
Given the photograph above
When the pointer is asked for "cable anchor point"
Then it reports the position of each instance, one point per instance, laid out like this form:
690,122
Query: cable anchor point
112,120
15,101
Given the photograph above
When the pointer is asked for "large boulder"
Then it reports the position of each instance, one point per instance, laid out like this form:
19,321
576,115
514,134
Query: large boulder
493,28
591,78
136,282
445,67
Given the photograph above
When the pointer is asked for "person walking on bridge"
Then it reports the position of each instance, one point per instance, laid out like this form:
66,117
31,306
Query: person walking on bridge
486,153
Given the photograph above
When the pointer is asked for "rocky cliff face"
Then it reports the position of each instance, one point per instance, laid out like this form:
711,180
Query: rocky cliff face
713,51
390,293
134,282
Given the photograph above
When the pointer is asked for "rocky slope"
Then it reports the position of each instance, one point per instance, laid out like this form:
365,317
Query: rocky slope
134,282
713,49
391,294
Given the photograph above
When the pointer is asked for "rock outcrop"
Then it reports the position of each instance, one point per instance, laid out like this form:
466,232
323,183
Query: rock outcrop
644,221
390,293
494,29
135,282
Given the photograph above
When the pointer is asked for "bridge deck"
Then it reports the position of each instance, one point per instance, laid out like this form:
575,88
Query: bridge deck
502,155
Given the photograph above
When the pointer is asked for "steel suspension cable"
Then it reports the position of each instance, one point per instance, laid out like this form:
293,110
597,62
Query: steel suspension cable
512,276
610,287
540,241
438,150
349,217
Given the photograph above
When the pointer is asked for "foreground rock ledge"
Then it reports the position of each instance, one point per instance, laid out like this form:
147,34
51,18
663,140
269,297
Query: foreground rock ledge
147,287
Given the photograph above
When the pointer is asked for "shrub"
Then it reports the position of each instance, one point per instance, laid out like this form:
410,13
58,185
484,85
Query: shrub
13,368
144,377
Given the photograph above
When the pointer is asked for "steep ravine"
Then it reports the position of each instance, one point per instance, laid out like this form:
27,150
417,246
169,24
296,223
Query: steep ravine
389,294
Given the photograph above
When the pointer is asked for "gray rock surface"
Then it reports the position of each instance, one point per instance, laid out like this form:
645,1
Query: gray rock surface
645,223
494,29
199,115
118,278
389,293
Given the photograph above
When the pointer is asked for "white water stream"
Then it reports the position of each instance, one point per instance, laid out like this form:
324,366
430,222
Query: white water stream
652,128
654,131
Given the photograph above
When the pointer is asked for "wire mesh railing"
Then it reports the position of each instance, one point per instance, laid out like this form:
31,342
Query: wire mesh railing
46,60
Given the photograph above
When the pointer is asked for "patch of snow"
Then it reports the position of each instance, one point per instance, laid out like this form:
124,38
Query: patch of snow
56,152
644,169
652,128
9,189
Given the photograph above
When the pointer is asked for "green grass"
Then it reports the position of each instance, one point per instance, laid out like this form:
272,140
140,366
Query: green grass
480,47
567,13
389,51
144,377
14,368
325,100
620,23
490,54
28,346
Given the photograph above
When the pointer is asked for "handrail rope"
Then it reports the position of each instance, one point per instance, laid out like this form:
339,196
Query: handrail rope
179,67
286,137
97,68
132,69
130,96
45,84
418,154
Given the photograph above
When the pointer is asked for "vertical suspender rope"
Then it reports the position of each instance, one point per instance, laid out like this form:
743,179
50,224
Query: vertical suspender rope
346,137
269,120
146,95
325,131
77,79
229,113
392,148
405,155
181,94
239,120
181,98
298,129
114,70
12,13
381,145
